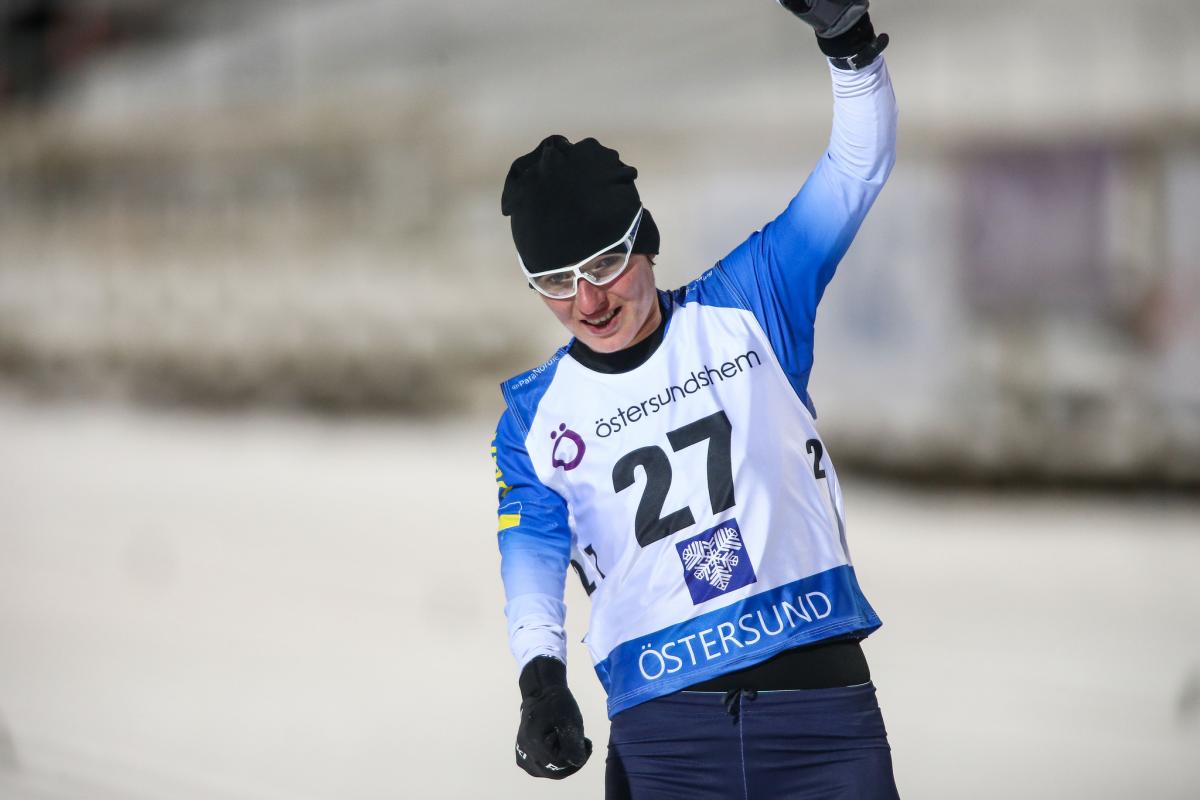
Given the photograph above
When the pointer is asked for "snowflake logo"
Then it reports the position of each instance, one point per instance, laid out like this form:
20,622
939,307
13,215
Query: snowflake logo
715,562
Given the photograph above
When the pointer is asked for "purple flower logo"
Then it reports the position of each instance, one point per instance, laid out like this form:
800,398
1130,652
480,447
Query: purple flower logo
576,444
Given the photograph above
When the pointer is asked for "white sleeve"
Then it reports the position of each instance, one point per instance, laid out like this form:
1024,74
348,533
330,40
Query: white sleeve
863,142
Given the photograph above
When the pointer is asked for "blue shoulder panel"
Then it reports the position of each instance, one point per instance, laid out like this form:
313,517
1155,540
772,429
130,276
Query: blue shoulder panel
791,346
780,273
523,392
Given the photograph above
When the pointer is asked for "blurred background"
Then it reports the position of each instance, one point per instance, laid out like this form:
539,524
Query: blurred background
256,294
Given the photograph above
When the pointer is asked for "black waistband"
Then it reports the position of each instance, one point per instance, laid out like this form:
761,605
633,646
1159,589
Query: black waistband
825,665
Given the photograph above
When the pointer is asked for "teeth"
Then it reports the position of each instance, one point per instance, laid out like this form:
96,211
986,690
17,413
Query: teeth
602,320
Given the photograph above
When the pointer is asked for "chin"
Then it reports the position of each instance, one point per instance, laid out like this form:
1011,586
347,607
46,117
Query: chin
605,344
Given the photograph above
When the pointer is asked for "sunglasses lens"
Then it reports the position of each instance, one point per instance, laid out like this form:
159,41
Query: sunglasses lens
555,284
607,267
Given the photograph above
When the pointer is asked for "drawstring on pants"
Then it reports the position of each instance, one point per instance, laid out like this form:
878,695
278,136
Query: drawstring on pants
733,701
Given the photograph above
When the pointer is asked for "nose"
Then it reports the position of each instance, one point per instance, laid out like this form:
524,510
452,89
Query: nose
589,299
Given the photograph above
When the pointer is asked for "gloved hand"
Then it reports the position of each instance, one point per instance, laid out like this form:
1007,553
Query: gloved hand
550,740
829,18
844,30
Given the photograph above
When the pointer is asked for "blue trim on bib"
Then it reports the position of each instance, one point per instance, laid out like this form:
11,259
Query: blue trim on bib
739,635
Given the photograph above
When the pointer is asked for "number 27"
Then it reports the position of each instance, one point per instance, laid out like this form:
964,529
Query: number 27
649,524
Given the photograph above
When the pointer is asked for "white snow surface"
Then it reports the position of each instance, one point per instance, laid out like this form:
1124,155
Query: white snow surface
237,607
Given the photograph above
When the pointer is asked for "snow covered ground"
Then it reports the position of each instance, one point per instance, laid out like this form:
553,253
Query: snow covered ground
287,607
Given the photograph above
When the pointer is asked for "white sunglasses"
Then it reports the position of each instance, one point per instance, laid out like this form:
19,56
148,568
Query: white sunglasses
600,268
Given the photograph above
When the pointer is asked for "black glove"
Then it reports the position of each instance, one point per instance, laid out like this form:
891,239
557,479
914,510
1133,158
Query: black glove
844,30
550,740
829,18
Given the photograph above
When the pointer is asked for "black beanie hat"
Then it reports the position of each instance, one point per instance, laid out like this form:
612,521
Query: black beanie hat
567,201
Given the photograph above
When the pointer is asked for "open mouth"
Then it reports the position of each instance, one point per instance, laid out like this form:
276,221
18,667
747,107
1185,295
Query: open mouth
604,323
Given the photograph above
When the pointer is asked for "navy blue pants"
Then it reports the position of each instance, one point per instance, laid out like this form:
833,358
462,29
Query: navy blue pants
796,743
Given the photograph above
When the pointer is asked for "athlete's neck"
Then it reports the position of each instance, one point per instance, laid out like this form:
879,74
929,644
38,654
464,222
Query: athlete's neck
623,360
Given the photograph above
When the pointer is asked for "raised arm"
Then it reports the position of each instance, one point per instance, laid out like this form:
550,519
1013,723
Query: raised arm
795,255
781,271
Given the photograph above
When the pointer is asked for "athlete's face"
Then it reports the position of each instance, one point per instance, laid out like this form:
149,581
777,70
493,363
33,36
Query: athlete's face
614,316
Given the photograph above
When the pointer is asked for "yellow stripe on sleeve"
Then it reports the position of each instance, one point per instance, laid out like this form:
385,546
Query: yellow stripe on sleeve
509,521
